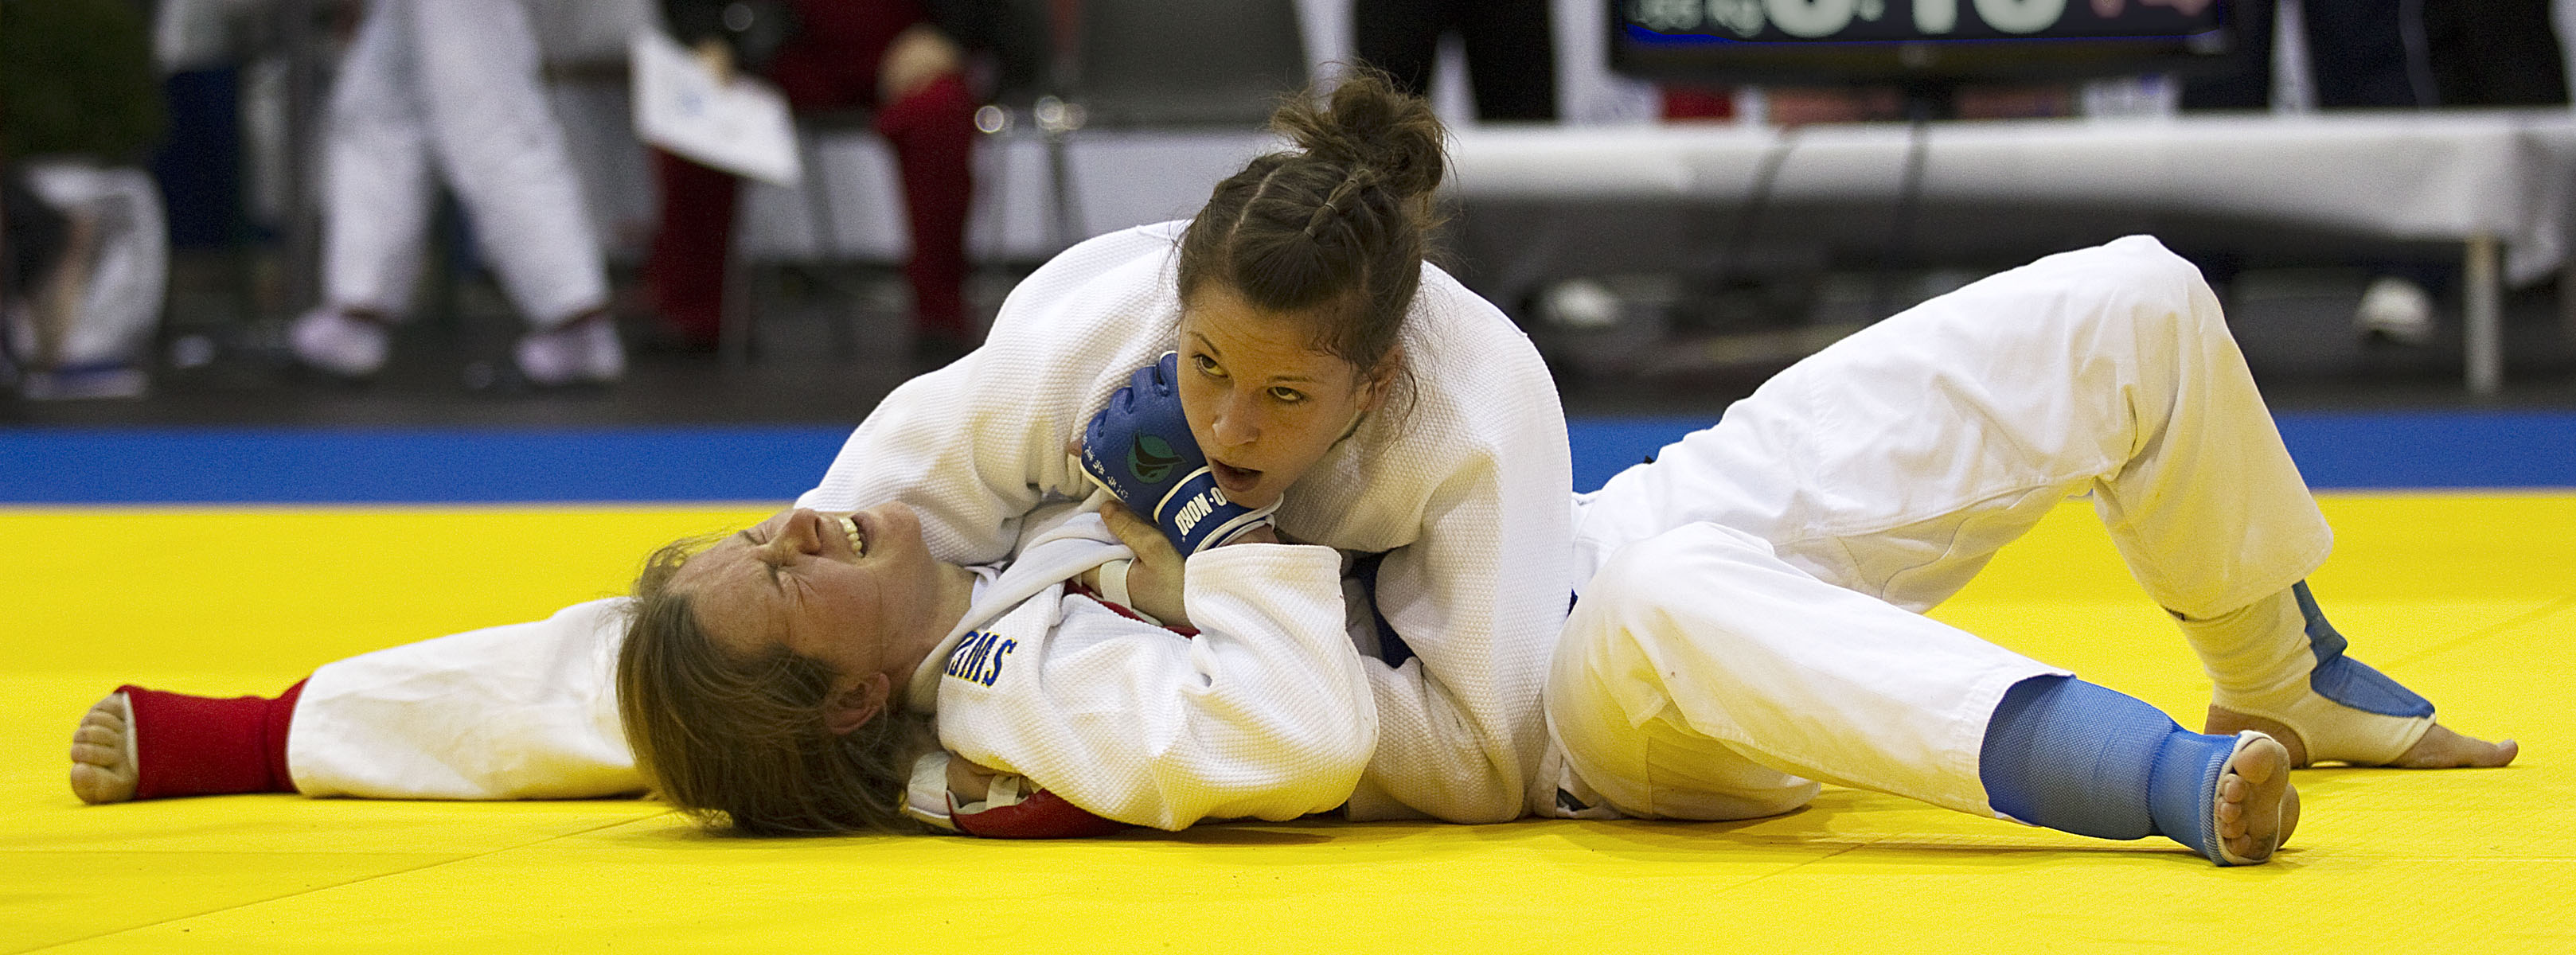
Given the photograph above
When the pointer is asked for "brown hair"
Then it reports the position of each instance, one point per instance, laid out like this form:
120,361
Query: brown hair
1336,230
739,742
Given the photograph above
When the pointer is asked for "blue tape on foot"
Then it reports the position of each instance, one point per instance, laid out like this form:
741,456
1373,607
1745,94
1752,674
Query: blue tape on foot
2348,681
2184,794
2073,756
2086,759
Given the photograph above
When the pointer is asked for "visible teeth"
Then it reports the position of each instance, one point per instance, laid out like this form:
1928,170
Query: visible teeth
850,529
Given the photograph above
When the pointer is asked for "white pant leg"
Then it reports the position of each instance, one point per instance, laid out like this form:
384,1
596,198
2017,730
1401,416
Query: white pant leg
128,279
502,150
1702,677
376,185
1898,460
524,711
377,171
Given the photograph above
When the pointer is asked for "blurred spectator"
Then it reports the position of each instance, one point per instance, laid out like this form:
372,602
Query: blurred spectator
450,90
87,253
1510,47
903,59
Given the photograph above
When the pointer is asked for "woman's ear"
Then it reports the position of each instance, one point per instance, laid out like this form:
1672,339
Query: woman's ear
853,705
1381,380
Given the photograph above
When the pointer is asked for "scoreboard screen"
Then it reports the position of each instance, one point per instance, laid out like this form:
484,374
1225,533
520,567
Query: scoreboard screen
1833,41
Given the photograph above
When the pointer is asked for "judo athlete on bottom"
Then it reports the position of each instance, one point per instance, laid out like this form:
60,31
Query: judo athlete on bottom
1749,626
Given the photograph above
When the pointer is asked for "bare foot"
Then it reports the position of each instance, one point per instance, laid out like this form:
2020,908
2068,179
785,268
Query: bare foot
2257,806
103,752
2441,748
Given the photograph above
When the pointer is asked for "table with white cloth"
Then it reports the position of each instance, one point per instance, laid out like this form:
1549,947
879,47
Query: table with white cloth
1542,203
1539,204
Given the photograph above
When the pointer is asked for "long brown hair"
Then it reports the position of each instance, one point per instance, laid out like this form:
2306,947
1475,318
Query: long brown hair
739,742
1335,230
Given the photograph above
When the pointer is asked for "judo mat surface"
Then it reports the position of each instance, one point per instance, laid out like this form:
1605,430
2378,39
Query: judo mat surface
2467,596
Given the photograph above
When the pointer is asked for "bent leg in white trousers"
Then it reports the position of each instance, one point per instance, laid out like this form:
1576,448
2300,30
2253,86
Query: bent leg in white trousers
1897,461
1759,582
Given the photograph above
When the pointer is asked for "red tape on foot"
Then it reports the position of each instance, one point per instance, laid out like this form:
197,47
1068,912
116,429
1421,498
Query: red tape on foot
203,746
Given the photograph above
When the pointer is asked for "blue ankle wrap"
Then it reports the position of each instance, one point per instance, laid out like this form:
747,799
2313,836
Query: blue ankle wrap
2346,680
2086,759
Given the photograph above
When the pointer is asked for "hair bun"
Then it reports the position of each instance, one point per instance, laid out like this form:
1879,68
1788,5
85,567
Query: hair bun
1366,122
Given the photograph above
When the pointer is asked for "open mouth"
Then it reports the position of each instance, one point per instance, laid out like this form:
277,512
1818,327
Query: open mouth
858,541
1233,480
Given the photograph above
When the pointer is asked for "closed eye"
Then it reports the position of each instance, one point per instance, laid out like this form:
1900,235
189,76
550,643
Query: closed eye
759,545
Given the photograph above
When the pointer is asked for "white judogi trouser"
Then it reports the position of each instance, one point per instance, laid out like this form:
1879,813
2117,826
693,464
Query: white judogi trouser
455,83
524,711
1755,623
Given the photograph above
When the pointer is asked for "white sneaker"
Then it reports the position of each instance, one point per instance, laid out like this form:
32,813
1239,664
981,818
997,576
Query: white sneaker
328,339
586,352
2396,309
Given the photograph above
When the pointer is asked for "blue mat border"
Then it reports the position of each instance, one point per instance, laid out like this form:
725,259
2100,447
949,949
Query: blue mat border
39,466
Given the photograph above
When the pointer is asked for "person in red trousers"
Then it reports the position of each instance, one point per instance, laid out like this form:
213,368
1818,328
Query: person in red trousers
890,56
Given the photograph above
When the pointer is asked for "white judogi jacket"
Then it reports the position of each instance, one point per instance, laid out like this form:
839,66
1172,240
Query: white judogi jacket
1264,714
1463,480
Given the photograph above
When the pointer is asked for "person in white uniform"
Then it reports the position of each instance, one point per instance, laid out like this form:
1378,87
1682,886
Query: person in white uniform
1412,419
449,91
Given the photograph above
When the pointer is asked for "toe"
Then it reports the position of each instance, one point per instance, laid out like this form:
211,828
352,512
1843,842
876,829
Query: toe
2444,748
104,721
96,735
2258,763
95,785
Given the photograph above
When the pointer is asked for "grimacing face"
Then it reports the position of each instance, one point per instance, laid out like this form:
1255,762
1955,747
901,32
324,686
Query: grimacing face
1262,402
851,590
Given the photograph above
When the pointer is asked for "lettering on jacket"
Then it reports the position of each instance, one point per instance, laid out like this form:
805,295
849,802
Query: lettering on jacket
978,657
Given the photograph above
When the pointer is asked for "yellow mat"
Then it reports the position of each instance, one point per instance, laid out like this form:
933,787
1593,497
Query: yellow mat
2469,599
